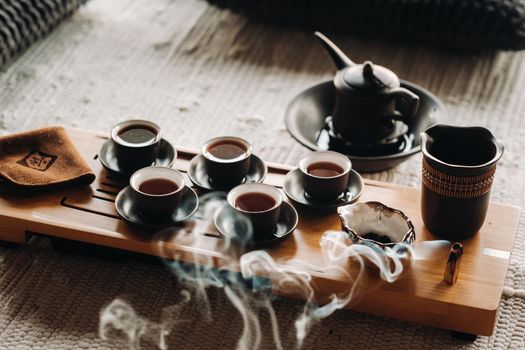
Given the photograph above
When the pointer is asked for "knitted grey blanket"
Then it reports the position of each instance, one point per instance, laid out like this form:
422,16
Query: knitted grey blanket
200,72
472,24
22,22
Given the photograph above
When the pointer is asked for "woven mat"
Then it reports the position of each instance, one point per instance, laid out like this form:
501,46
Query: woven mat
201,72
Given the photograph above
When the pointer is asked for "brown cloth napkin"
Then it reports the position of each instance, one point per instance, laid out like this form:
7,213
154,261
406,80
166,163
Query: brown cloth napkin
42,159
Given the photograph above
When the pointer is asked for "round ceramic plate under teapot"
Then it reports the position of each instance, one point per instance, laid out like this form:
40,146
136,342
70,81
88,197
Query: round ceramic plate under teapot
306,120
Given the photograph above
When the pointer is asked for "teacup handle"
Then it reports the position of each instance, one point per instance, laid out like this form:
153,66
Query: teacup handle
410,99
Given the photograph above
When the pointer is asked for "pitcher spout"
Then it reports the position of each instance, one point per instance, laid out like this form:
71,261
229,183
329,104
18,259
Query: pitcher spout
460,150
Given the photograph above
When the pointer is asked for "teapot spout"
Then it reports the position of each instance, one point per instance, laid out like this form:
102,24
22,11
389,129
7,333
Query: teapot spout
341,61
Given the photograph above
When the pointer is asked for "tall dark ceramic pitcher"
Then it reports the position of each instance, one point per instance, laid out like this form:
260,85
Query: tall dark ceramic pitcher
458,170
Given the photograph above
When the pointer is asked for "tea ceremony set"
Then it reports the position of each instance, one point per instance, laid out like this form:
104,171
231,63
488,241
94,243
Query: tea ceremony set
444,247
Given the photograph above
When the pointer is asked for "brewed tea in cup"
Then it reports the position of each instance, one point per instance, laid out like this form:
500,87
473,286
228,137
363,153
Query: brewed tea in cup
260,204
137,143
325,174
157,191
227,159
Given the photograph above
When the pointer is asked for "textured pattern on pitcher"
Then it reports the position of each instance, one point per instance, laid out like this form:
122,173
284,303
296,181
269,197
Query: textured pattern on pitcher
457,186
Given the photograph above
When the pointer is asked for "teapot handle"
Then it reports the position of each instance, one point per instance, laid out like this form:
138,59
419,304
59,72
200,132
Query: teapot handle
410,99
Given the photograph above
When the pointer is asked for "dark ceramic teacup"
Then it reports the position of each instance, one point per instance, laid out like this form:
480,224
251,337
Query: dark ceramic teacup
459,164
137,143
260,204
157,191
325,174
226,159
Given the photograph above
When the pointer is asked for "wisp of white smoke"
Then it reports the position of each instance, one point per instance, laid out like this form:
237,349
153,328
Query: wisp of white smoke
249,279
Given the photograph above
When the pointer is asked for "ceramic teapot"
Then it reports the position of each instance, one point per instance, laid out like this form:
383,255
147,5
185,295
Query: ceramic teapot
367,98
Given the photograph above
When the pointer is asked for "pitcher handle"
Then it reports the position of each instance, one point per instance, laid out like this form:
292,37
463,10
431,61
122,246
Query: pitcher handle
410,100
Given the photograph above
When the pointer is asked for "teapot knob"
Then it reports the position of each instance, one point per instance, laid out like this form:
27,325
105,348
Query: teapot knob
368,69
369,76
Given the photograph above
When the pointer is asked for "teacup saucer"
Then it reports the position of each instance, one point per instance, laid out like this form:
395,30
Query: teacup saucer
199,177
126,209
293,187
166,157
227,221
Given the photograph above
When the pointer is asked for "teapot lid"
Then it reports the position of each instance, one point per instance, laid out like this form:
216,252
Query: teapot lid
370,78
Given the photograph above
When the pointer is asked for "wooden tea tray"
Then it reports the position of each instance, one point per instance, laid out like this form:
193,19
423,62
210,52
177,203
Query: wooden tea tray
420,295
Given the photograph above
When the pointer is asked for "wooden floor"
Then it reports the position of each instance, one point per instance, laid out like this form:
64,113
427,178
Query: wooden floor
201,72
